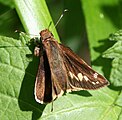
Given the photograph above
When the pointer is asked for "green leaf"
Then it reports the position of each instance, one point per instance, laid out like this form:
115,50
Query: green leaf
119,100
115,53
117,36
17,77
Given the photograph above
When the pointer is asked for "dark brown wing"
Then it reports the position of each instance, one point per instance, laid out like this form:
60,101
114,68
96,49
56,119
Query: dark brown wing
81,75
43,84
59,76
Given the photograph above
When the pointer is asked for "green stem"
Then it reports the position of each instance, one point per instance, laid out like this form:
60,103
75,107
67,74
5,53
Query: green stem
34,16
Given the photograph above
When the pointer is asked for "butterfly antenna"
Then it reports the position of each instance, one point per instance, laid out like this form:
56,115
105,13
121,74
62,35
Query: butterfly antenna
18,31
61,17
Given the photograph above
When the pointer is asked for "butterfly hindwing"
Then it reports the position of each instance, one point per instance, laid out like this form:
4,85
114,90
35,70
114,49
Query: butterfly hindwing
43,84
40,82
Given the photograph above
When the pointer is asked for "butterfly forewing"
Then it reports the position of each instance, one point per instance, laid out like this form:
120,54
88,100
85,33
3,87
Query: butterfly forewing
81,75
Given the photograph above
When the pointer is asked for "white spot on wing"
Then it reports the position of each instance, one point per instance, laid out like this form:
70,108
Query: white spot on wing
97,82
86,78
80,76
93,83
95,75
72,75
75,77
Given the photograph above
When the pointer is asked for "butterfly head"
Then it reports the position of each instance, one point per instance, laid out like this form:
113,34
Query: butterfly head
45,34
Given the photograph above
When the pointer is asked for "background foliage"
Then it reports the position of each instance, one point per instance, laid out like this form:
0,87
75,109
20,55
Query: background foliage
85,28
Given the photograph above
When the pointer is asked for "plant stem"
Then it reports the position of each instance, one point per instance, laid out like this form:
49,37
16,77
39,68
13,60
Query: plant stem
34,16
